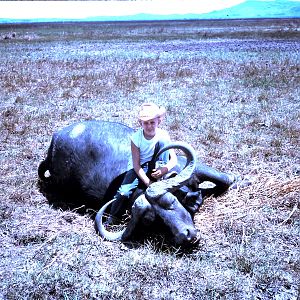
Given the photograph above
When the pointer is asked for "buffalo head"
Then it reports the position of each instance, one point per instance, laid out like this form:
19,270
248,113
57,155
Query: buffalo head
163,202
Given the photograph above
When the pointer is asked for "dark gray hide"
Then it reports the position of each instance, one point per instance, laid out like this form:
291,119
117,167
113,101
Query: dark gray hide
88,156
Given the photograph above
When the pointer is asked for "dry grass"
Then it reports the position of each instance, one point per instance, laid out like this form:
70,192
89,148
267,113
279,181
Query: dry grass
231,90
256,230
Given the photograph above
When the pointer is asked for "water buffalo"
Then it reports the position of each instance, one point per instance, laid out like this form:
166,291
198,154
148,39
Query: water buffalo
91,157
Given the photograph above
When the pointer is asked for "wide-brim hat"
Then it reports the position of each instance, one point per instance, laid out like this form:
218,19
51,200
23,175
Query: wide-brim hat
149,111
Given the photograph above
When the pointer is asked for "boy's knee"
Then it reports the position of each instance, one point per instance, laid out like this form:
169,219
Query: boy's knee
126,190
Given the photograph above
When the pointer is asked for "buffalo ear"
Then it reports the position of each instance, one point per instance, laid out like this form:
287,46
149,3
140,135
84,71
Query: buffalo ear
194,182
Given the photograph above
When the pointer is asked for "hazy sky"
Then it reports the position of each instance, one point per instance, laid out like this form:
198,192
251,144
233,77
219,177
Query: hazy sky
82,9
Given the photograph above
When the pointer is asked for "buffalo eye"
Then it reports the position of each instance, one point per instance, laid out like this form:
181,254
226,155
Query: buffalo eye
166,201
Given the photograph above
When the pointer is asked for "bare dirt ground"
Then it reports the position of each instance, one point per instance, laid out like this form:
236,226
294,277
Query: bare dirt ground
231,89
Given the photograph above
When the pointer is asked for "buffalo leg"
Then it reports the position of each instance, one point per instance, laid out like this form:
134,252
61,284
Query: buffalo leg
206,173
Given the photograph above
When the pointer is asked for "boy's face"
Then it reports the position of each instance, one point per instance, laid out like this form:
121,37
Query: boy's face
149,127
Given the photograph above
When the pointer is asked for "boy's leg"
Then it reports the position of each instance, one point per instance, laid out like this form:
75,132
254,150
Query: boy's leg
129,184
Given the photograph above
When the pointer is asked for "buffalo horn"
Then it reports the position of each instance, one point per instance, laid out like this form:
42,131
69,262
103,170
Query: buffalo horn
157,189
110,236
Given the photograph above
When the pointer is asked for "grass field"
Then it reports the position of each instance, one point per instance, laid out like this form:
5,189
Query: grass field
231,89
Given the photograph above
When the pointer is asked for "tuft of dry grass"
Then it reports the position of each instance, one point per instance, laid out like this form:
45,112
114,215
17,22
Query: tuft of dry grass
231,90
257,231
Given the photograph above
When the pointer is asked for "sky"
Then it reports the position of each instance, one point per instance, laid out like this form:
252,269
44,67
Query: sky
83,9
79,10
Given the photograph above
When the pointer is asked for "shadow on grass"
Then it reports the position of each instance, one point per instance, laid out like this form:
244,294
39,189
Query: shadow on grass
67,199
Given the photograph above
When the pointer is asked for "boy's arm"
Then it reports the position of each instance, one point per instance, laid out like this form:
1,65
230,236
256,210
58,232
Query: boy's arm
173,157
136,164
161,171
170,164
173,160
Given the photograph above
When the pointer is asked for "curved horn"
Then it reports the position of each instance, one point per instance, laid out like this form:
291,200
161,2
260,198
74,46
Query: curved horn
157,189
110,236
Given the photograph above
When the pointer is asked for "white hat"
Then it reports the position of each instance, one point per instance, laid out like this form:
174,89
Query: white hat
149,111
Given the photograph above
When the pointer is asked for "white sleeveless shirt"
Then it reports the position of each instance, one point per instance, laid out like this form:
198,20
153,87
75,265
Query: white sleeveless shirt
147,147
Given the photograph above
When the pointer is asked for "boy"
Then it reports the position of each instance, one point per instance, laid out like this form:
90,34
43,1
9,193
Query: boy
145,144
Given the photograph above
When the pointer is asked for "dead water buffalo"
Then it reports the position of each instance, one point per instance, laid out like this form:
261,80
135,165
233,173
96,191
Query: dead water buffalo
91,157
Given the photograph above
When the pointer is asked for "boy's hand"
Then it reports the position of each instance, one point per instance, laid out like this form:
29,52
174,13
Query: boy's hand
159,172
